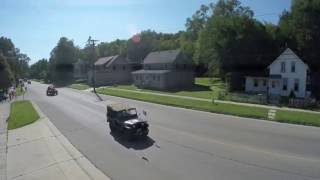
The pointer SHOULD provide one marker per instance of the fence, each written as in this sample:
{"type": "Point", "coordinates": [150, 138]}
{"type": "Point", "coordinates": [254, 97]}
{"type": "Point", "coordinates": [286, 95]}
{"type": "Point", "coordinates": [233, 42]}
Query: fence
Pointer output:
{"type": "Point", "coordinates": [302, 103]}
{"type": "Point", "coordinates": [243, 98]}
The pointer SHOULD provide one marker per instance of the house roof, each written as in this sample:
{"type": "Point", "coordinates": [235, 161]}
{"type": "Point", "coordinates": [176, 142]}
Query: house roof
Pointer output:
{"type": "Point", "coordinates": [162, 57]}
{"type": "Point", "coordinates": [151, 72]}
{"type": "Point", "coordinates": [105, 61]}
{"type": "Point", "coordinates": [288, 52]}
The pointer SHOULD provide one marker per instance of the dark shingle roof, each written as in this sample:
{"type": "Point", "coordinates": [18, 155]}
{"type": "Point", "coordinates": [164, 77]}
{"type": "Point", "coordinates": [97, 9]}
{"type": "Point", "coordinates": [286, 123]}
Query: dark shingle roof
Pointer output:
{"type": "Point", "coordinates": [162, 57]}
{"type": "Point", "coordinates": [105, 61]}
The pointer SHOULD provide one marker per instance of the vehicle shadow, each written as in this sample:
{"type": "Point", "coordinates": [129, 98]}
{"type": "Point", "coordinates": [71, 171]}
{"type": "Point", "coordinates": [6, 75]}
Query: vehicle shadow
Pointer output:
{"type": "Point", "coordinates": [136, 144]}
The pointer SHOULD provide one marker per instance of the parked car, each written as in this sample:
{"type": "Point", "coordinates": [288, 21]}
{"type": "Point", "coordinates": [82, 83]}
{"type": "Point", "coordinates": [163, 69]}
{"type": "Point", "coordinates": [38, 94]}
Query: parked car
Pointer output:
{"type": "Point", "coordinates": [52, 91]}
{"type": "Point", "coordinates": [125, 120]}
{"type": "Point", "coordinates": [29, 82]}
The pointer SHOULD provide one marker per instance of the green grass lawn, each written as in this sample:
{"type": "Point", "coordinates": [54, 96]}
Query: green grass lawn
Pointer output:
{"type": "Point", "coordinates": [206, 88]}
{"type": "Point", "coordinates": [230, 109]}
{"type": "Point", "coordinates": [22, 113]}
{"type": "Point", "coordinates": [237, 110]}
{"type": "Point", "coordinates": [79, 86]}
{"type": "Point", "coordinates": [311, 119]}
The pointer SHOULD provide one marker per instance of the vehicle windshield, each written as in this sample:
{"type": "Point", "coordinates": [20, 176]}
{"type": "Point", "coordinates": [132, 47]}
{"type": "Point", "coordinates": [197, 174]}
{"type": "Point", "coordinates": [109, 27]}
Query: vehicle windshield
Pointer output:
{"type": "Point", "coordinates": [127, 114]}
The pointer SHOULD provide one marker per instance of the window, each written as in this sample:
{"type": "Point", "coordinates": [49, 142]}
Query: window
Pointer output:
{"type": "Point", "coordinates": [124, 68]}
{"type": "Point", "coordinates": [273, 84]}
{"type": "Point", "coordinates": [158, 77]}
{"type": "Point", "coordinates": [114, 68]}
{"type": "Point", "coordinates": [283, 67]}
{"type": "Point", "coordinates": [264, 83]}
{"type": "Point", "coordinates": [256, 82]}
{"type": "Point", "coordinates": [165, 66]}
{"type": "Point", "coordinates": [154, 77]}
{"type": "Point", "coordinates": [293, 67]}
{"type": "Point", "coordinates": [296, 85]}
{"type": "Point", "coordinates": [184, 66]}
{"type": "Point", "coordinates": [285, 84]}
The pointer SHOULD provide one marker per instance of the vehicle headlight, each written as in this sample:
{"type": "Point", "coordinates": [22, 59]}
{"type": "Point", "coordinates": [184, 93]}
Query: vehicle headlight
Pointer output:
{"type": "Point", "coordinates": [128, 126]}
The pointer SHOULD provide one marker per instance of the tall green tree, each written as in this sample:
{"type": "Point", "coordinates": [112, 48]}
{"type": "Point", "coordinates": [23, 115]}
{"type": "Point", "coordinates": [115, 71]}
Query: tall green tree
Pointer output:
{"type": "Point", "coordinates": [5, 73]}
{"type": "Point", "coordinates": [40, 70]}
{"type": "Point", "coordinates": [17, 61]}
{"type": "Point", "coordinates": [233, 40]}
{"type": "Point", "coordinates": [61, 61]}
{"type": "Point", "coordinates": [302, 26]}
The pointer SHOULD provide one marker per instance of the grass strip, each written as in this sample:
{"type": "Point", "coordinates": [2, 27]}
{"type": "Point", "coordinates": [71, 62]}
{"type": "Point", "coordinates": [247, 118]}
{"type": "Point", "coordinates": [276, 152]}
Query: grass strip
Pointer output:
{"type": "Point", "coordinates": [22, 113]}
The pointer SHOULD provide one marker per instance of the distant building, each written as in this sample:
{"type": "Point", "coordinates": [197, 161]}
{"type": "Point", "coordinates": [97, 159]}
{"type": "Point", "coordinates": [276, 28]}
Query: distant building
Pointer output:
{"type": "Point", "coordinates": [288, 73]}
{"type": "Point", "coordinates": [165, 70]}
{"type": "Point", "coordinates": [112, 70]}
{"type": "Point", "coordinates": [80, 70]}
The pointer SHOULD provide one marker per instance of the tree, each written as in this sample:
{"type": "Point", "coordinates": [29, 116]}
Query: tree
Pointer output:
{"type": "Point", "coordinates": [117, 47]}
{"type": "Point", "coordinates": [141, 45]}
{"type": "Point", "coordinates": [5, 73]}
{"type": "Point", "coordinates": [233, 40]}
{"type": "Point", "coordinates": [198, 21]}
{"type": "Point", "coordinates": [18, 62]}
{"type": "Point", "coordinates": [39, 70]}
{"type": "Point", "coordinates": [61, 61]}
{"type": "Point", "coordinates": [302, 24]}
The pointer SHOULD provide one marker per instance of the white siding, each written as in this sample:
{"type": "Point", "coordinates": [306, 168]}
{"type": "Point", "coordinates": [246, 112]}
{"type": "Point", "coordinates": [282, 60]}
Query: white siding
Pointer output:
{"type": "Point", "coordinates": [250, 84]}
{"type": "Point", "coordinates": [288, 57]}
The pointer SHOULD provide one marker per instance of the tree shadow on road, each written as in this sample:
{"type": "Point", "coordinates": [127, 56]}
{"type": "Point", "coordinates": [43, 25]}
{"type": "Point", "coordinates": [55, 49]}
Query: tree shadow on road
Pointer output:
{"type": "Point", "coordinates": [136, 144]}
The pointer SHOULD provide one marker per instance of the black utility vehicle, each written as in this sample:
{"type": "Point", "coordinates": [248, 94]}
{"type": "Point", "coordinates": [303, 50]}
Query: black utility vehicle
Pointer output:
{"type": "Point", "coordinates": [125, 120]}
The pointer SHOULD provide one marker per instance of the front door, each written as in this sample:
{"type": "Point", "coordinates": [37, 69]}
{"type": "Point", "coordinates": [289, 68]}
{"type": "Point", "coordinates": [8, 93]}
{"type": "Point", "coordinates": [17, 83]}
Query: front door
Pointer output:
{"type": "Point", "coordinates": [274, 87]}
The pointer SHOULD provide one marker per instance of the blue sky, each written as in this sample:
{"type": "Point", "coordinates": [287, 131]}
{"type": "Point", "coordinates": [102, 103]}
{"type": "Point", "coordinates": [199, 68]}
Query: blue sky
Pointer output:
{"type": "Point", "coordinates": [35, 26]}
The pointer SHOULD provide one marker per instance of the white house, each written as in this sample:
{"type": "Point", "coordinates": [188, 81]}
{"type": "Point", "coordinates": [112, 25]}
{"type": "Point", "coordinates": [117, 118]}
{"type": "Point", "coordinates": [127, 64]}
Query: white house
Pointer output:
{"type": "Point", "coordinates": [288, 73]}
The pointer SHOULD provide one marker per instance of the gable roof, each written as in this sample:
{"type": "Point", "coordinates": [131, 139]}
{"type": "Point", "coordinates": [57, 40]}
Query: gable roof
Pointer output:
{"type": "Point", "coordinates": [162, 57]}
{"type": "Point", "coordinates": [288, 52]}
{"type": "Point", "coordinates": [105, 61]}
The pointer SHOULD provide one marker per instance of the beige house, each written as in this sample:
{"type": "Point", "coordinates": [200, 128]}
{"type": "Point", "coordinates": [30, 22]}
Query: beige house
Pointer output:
{"type": "Point", "coordinates": [112, 70]}
{"type": "Point", "coordinates": [165, 70]}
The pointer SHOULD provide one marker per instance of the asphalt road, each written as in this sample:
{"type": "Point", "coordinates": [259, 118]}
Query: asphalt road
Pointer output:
{"type": "Point", "coordinates": [183, 144]}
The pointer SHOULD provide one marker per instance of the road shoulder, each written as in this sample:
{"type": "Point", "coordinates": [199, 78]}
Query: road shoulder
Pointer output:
{"type": "Point", "coordinates": [40, 151]}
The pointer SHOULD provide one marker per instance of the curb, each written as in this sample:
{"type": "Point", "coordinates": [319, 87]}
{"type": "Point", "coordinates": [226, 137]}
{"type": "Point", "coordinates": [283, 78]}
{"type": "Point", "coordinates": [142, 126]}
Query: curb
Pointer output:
{"type": "Point", "coordinates": [87, 167]}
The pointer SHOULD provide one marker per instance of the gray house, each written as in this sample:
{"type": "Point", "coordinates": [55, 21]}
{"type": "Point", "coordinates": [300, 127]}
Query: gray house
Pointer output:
{"type": "Point", "coordinates": [112, 70]}
{"type": "Point", "coordinates": [165, 70]}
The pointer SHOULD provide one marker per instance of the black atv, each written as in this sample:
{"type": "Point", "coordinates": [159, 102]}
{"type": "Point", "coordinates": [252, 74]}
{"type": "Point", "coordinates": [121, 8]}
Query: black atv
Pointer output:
{"type": "Point", "coordinates": [52, 91]}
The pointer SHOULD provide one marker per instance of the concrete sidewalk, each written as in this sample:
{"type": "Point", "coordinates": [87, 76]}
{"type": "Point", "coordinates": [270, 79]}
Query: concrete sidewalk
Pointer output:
{"type": "Point", "coordinates": [40, 151]}
{"type": "Point", "coordinates": [4, 115]}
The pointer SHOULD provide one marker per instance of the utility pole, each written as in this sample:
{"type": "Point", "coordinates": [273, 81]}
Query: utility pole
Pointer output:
{"type": "Point", "coordinates": [92, 43]}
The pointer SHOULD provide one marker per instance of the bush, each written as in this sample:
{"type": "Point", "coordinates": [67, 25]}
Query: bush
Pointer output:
{"type": "Point", "coordinates": [292, 95]}
{"type": "Point", "coordinates": [284, 100]}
